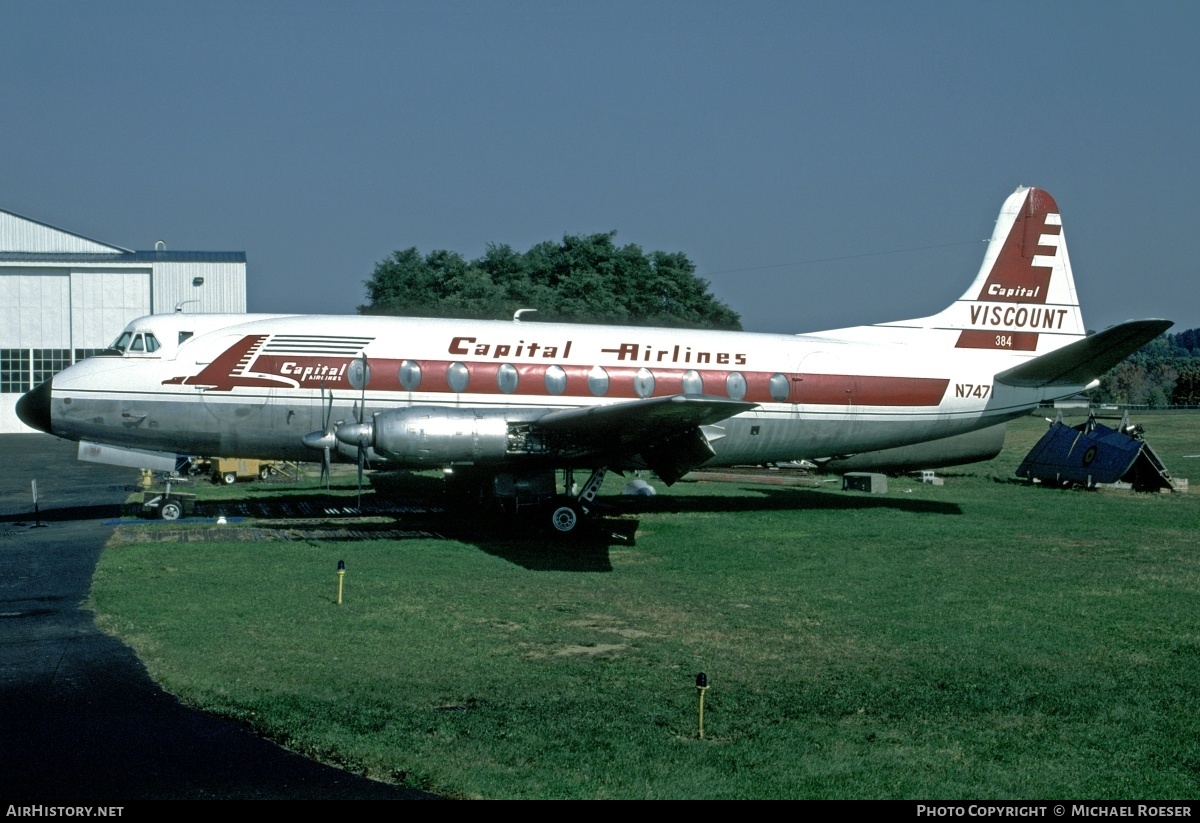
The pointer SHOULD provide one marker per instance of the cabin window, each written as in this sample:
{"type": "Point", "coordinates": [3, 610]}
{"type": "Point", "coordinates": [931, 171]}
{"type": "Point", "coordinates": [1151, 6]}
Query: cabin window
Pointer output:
{"type": "Point", "coordinates": [410, 375]}
{"type": "Point", "coordinates": [735, 385]}
{"type": "Point", "coordinates": [598, 381]}
{"type": "Point", "coordinates": [779, 387]}
{"type": "Point", "coordinates": [507, 378]}
{"type": "Point", "coordinates": [359, 374]}
{"type": "Point", "coordinates": [643, 383]}
{"type": "Point", "coordinates": [458, 377]}
{"type": "Point", "coordinates": [556, 380]}
{"type": "Point", "coordinates": [693, 383]}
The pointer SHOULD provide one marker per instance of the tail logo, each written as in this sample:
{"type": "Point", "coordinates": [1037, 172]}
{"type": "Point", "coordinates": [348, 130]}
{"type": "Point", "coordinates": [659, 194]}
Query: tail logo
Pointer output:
{"type": "Point", "coordinates": [1021, 273]}
{"type": "Point", "coordinates": [1019, 298]}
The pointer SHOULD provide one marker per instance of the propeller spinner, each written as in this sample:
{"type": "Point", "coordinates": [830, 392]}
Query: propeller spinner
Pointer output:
{"type": "Point", "coordinates": [359, 434]}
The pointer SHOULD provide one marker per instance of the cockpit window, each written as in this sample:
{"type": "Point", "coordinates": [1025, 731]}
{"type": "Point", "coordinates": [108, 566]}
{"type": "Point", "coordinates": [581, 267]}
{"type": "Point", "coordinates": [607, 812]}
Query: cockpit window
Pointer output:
{"type": "Point", "coordinates": [131, 341]}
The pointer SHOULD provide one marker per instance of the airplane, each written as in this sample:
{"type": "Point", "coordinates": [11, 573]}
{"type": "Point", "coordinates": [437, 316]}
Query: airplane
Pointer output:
{"type": "Point", "coordinates": [503, 405]}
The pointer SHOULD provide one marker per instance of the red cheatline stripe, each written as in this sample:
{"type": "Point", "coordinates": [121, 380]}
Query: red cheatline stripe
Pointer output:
{"type": "Point", "coordinates": [813, 389]}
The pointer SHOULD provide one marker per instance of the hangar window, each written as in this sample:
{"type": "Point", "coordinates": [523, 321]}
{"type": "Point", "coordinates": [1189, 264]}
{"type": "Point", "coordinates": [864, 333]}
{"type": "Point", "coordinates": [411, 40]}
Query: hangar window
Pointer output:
{"type": "Point", "coordinates": [84, 354]}
{"type": "Point", "coordinates": [410, 375]}
{"type": "Point", "coordinates": [14, 371]}
{"type": "Point", "coordinates": [735, 385]}
{"type": "Point", "coordinates": [458, 377]}
{"type": "Point", "coordinates": [507, 378]}
{"type": "Point", "coordinates": [779, 387]}
{"type": "Point", "coordinates": [693, 383]}
{"type": "Point", "coordinates": [49, 362]}
{"type": "Point", "coordinates": [643, 383]}
{"type": "Point", "coordinates": [598, 381]}
{"type": "Point", "coordinates": [556, 380]}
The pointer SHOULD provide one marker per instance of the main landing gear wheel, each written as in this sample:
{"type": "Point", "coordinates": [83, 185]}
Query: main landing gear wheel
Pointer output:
{"type": "Point", "coordinates": [565, 516]}
{"type": "Point", "coordinates": [171, 510]}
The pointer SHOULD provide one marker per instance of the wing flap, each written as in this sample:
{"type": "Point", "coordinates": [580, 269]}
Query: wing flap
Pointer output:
{"type": "Point", "coordinates": [1081, 362]}
{"type": "Point", "coordinates": [663, 431]}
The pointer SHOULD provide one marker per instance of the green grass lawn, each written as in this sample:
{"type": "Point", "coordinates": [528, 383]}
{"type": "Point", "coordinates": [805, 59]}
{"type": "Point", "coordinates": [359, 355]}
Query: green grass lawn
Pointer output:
{"type": "Point", "coordinates": [982, 639]}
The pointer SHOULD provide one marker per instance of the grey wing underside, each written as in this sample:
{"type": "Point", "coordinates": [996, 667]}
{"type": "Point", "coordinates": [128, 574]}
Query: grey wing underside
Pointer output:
{"type": "Point", "coordinates": [661, 432]}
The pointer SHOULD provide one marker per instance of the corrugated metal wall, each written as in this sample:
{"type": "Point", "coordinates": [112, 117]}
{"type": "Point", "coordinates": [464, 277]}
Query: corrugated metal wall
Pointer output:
{"type": "Point", "coordinates": [223, 289]}
{"type": "Point", "coordinates": [22, 234]}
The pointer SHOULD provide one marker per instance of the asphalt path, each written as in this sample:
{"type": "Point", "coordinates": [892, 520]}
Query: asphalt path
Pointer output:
{"type": "Point", "coordinates": [80, 720]}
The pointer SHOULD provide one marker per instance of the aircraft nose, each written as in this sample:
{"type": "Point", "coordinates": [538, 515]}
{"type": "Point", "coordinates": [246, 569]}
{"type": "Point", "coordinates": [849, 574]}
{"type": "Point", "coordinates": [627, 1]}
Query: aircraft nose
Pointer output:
{"type": "Point", "coordinates": [34, 408]}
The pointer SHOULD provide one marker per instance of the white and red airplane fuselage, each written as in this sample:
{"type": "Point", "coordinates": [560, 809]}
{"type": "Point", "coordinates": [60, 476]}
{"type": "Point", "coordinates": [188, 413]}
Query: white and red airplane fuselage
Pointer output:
{"type": "Point", "coordinates": [510, 395]}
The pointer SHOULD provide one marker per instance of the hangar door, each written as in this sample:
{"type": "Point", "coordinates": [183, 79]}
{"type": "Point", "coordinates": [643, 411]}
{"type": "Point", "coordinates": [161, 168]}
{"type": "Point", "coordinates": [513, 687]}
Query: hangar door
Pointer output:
{"type": "Point", "coordinates": [103, 303]}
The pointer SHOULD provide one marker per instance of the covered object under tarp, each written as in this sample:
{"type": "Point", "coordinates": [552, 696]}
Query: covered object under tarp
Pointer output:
{"type": "Point", "coordinates": [1092, 454]}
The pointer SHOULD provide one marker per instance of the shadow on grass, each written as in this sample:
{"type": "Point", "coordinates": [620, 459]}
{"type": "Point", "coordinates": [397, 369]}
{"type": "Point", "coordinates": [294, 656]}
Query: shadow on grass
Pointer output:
{"type": "Point", "coordinates": [65, 514]}
{"type": "Point", "coordinates": [397, 506]}
{"type": "Point", "coordinates": [775, 499]}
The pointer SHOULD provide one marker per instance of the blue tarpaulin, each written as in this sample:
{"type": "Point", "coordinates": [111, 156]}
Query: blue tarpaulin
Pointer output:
{"type": "Point", "coordinates": [1086, 455]}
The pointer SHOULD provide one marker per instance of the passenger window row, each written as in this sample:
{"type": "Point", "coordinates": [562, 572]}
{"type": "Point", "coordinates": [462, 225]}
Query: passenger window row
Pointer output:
{"type": "Point", "coordinates": [508, 380]}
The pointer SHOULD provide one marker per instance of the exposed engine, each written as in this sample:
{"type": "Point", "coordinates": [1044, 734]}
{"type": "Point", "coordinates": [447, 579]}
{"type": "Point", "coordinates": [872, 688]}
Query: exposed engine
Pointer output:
{"type": "Point", "coordinates": [423, 435]}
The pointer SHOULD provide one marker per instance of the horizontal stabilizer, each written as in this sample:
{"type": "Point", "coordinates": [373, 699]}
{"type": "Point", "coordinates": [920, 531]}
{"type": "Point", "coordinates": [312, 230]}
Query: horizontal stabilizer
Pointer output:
{"type": "Point", "coordinates": [1081, 362]}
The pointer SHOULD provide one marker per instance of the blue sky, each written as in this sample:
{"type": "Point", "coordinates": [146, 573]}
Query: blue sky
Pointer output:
{"type": "Point", "coordinates": [797, 152]}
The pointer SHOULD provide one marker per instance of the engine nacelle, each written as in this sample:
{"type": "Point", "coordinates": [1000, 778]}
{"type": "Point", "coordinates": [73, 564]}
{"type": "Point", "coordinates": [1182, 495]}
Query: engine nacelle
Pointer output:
{"type": "Point", "coordinates": [956, 450]}
{"type": "Point", "coordinates": [424, 435]}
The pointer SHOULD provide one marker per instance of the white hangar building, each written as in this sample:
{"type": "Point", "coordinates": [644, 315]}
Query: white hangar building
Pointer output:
{"type": "Point", "coordinates": [64, 296]}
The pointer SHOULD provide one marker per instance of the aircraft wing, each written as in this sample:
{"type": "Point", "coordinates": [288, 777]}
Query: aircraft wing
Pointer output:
{"type": "Point", "coordinates": [1083, 361]}
{"type": "Point", "coordinates": [663, 431]}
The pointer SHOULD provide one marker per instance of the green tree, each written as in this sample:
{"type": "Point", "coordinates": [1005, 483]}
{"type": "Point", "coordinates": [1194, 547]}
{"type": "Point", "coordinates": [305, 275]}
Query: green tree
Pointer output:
{"type": "Point", "coordinates": [1187, 388]}
{"type": "Point", "coordinates": [1158, 374]}
{"type": "Point", "coordinates": [583, 278]}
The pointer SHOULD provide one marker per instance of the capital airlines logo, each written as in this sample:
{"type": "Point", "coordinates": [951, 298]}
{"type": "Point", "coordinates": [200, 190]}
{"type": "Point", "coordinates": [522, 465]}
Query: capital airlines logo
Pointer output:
{"type": "Point", "coordinates": [286, 361]}
{"type": "Point", "coordinates": [1021, 273]}
{"type": "Point", "coordinates": [1012, 306]}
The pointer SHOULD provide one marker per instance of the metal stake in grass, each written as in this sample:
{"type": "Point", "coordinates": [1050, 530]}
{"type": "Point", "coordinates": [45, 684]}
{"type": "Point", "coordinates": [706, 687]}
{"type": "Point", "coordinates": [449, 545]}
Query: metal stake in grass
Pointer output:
{"type": "Point", "coordinates": [37, 514]}
{"type": "Point", "coordinates": [341, 574]}
{"type": "Point", "coordinates": [701, 688]}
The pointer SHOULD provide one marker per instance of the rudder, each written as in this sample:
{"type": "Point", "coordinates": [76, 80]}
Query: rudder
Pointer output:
{"type": "Point", "coordinates": [1023, 298]}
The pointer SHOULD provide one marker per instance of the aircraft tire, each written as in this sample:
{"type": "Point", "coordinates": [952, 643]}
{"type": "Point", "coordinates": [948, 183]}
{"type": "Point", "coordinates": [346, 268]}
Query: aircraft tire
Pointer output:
{"type": "Point", "coordinates": [229, 478]}
{"type": "Point", "coordinates": [171, 510]}
{"type": "Point", "coordinates": [565, 516]}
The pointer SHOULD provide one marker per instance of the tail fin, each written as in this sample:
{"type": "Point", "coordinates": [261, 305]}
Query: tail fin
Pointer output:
{"type": "Point", "coordinates": [1023, 298]}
